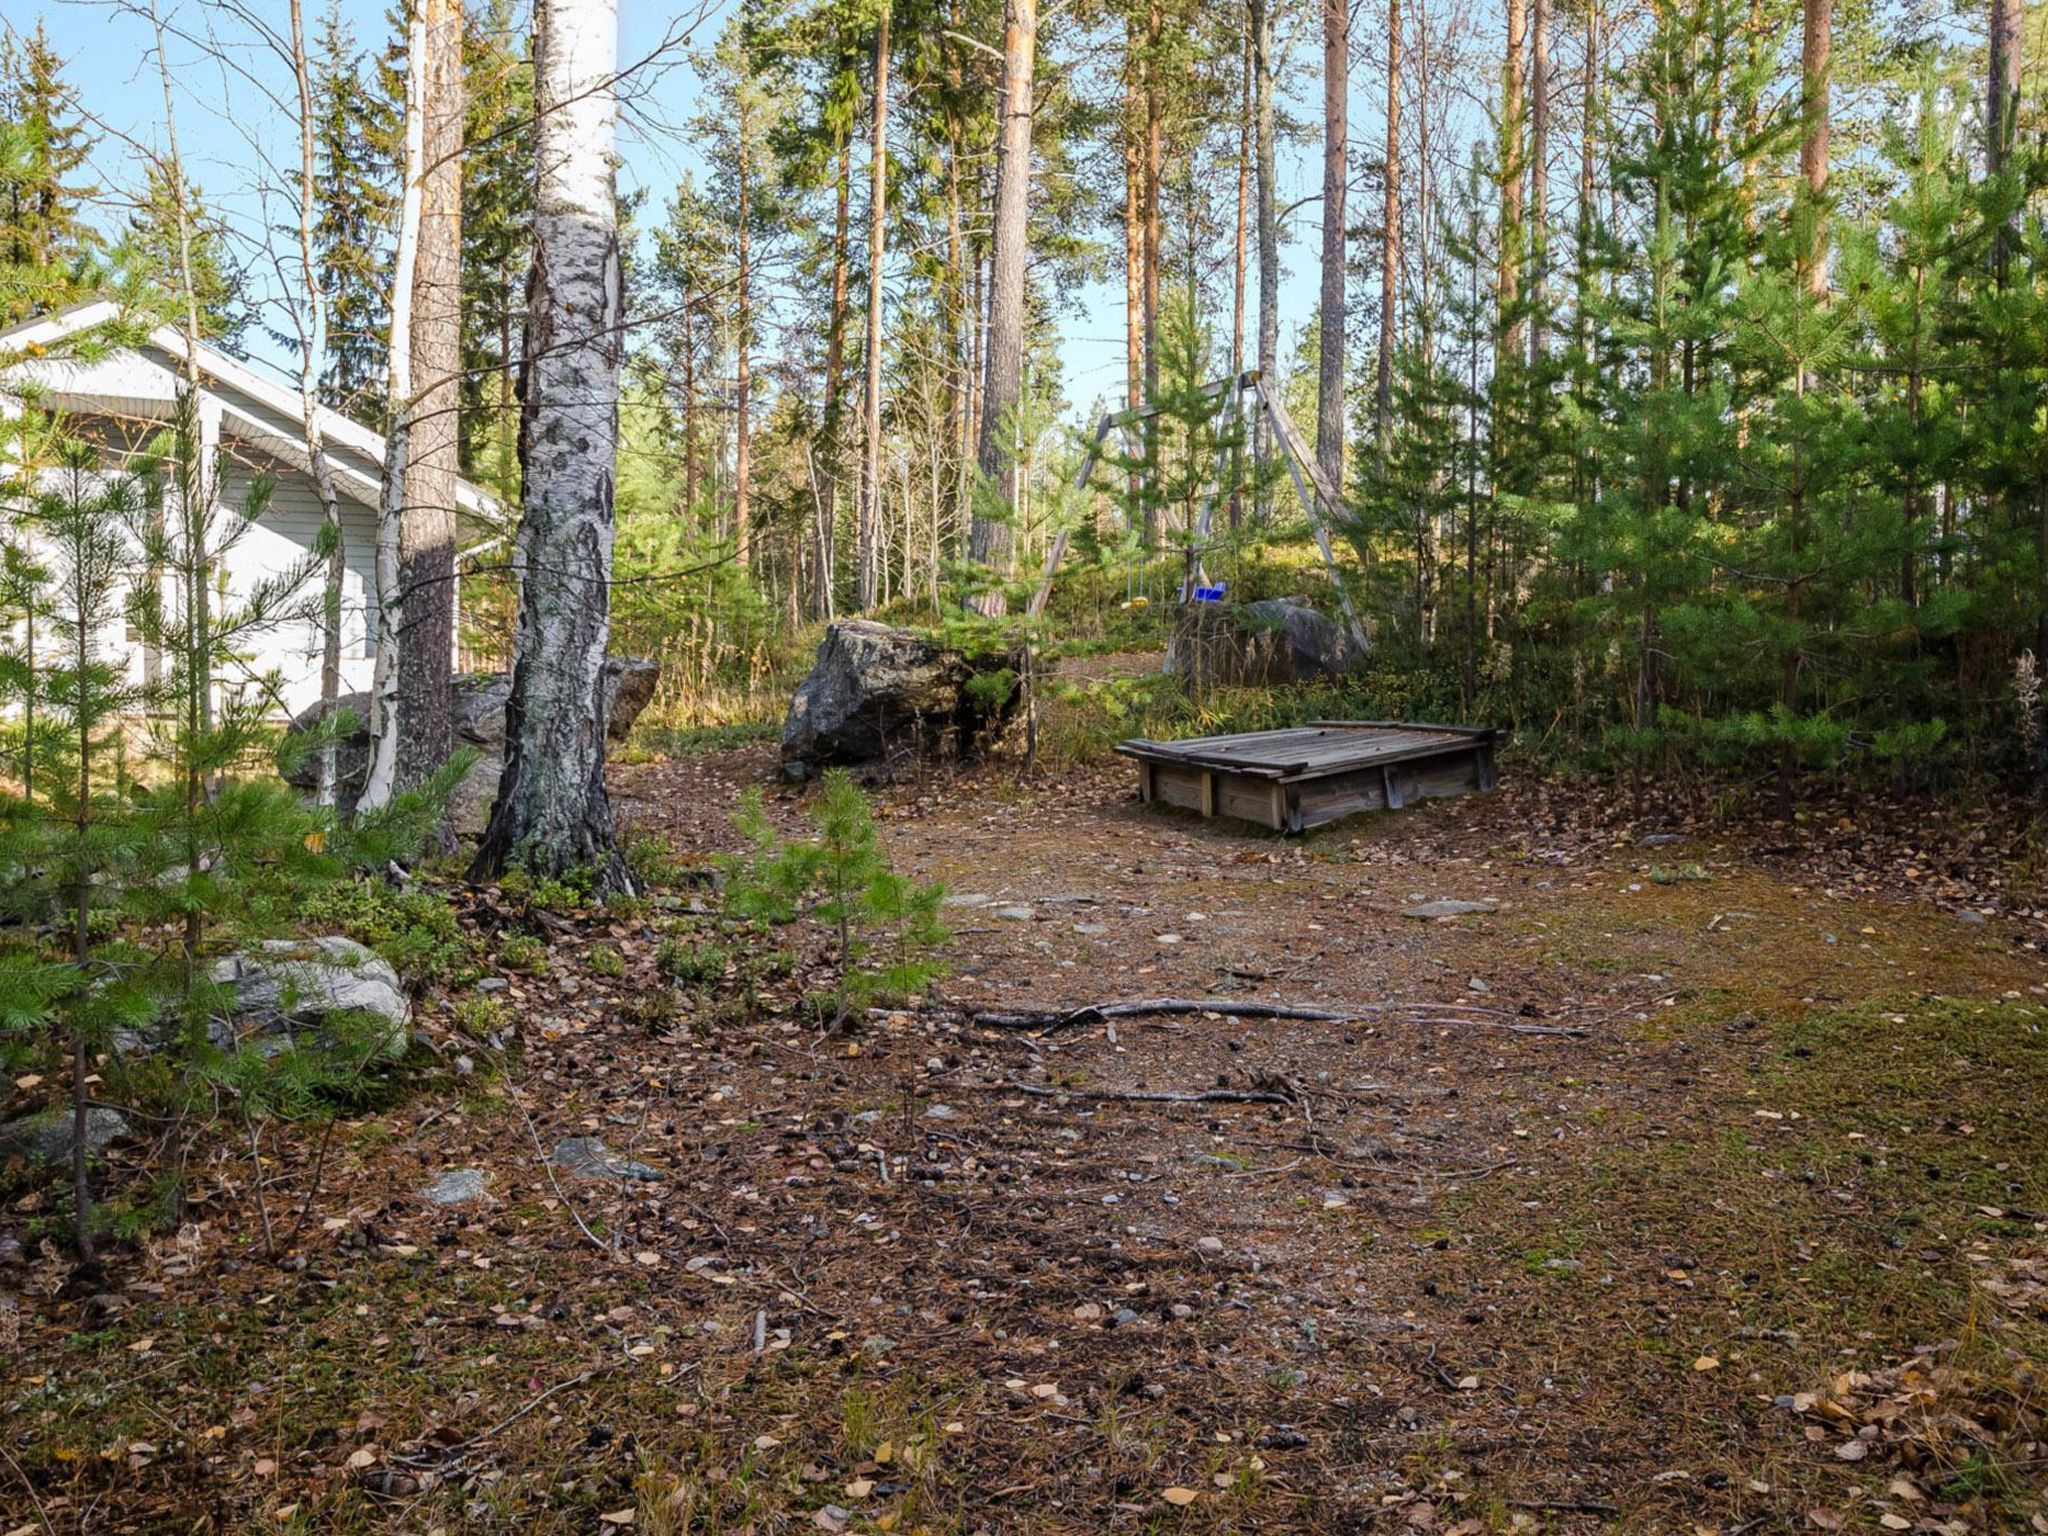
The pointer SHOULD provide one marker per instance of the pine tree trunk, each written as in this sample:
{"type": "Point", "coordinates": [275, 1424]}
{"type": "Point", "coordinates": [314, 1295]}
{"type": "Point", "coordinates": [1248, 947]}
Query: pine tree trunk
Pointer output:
{"type": "Point", "coordinates": [1336, 144]}
{"type": "Point", "coordinates": [1003, 387]}
{"type": "Point", "coordinates": [1155, 169]}
{"type": "Point", "coordinates": [2001, 108]}
{"type": "Point", "coordinates": [401, 409]}
{"type": "Point", "coordinates": [1816, 44]}
{"type": "Point", "coordinates": [1244, 190]}
{"type": "Point", "coordinates": [871, 401]}
{"type": "Point", "coordinates": [552, 813]}
{"type": "Point", "coordinates": [1390, 237]}
{"type": "Point", "coordinates": [743, 354]}
{"type": "Point", "coordinates": [1260, 16]}
{"type": "Point", "coordinates": [312, 321]}
{"type": "Point", "coordinates": [1134, 277]}
{"type": "Point", "coordinates": [1508, 281]}
{"type": "Point", "coordinates": [1539, 177]}
{"type": "Point", "coordinates": [426, 528]}
{"type": "Point", "coordinates": [834, 413]}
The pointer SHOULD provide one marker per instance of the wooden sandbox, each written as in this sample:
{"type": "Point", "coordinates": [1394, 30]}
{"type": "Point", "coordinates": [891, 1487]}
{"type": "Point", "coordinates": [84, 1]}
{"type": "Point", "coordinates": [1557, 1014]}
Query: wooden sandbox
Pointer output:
{"type": "Point", "coordinates": [1296, 779]}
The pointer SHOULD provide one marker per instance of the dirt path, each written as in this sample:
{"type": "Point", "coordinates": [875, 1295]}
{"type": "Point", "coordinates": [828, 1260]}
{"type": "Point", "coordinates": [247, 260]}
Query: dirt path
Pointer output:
{"type": "Point", "coordinates": [1434, 1275]}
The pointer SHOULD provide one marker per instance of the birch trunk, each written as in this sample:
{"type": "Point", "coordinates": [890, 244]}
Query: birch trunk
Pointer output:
{"type": "Point", "coordinates": [382, 777]}
{"type": "Point", "coordinates": [1336, 144]}
{"type": "Point", "coordinates": [1390, 236]}
{"type": "Point", "coordinates": [552, 813]}
{"type": "Point", "coordinates": [426, 526]}
{"type": "Point", "coordinates": [1003, 383]}
{"type": "Point", "coordinates": [871, 453]}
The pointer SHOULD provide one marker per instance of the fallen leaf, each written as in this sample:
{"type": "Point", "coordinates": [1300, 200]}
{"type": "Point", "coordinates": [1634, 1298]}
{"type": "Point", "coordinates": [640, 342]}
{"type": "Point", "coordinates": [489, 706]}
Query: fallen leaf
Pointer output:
{"type": "Point", "coordinates": [860, 1487]}
{"type": "Point", "coordinates": [1180, 1498]}
{"type": "Point", "coordinates": [1706, 1363]}
{"type": "Point", "coordinates": [617, 1517]}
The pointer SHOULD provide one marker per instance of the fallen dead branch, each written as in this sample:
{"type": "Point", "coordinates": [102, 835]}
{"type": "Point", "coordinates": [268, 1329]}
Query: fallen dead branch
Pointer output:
{"type": "Point", "coordinates": [1136, 1096]}
{"type": "Point", "coordinates": [1462, 1015]}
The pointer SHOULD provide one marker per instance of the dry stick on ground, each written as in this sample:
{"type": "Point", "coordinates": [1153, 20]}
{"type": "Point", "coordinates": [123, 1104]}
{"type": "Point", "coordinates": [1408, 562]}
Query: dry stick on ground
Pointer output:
{"type": "Point", "coordinates": [1462, 1014]}
{"type": "Point", "coordinates": [1212, 1096]}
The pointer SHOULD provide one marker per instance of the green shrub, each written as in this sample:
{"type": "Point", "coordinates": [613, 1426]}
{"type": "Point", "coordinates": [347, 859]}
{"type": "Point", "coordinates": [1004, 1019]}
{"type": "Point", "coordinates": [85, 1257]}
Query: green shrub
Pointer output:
{"type": "Point", "coordinates": [525, 953]}
{"type": "Point", "coordinates": [691, 962]}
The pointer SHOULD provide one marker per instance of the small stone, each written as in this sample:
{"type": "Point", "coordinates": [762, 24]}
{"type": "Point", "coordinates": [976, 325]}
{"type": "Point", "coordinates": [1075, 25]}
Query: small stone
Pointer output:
{"type": "Point", "coordinates": [458, 1186]}
{"type": "Point", "coordinates": [1424, 911]}
{"type": "Point", "coordinates": [1180, 1311]}
{"type": "Point", "coordinates": [940, 1112]}
{"type": "Point", "coordinates": [1658, 840]}
{"type": "Point", "coordinates": [11, 1256]}
{"type": "Point", "coordinates": [1126, 1318]}
{"type": "Point", "coordinates": [965, 899]}
{"type": "Point", "coordinates": [1015, 914]}
{"type": "Point", "coordinates": [1476, 984]}
{"type": "Point", "coordinates": [1091, 930]}
{"type": "Point", "coordinates": [877, 1345]}
{"type": "Point", "coordinates": [1283, 1437]}
{"type": "Point", "coordinates": [489, 984]}
{"type": "Point", "coordinates": [586, 1157]}
{"type": "Point", "coordinates": [1211, 1245]}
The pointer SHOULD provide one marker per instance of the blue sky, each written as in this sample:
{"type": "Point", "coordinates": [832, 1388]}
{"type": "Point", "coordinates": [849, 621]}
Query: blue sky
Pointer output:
{"type": "Point", "coordinates": [228, 130]}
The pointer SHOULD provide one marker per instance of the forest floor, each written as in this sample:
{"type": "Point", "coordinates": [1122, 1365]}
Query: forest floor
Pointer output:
{"type": "Point", "coordinates": [1762, 1249]}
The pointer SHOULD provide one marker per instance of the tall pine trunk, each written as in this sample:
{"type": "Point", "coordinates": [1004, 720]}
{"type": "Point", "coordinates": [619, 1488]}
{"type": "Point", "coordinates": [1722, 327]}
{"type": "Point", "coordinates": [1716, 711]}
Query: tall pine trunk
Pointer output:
{"type": "Point", "coordinates": [1336, 143]}
{"type": "Point", "coordinates": [426, 528]}
{"type": "Point", "coordinates": [1134, 272]}
{"type": "Point", "coordinates": [743, 351]}
{"type": "Point", "coordinates": [1539, 178]}
{"type": "Point", "coordinates": [1260, 16]}
{"type": "Point", "coordinates": [552, 813]}
{"type": "Point", "coordinates": [1390, 236]}
{"type": "Point", "coordinates": [1003, 385]}
{"type": "Point", "coordinates": [1508, 275]}
{"type": "Point", "coordinates": [834, 422]}
{"type": "Point", "coordinates": [871, 400]}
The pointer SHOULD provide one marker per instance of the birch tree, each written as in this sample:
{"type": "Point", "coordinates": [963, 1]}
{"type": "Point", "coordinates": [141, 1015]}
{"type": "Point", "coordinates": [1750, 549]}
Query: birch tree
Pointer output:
{"type": "Point", "coordinates": [382, 778]}
{"type": "Point", "coordinates": [552, 812]}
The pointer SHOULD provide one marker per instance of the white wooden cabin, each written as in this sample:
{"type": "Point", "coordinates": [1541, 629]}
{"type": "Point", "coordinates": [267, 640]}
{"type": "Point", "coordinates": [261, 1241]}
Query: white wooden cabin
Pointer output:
{"type": "Point", "coordinates": [122, 398]}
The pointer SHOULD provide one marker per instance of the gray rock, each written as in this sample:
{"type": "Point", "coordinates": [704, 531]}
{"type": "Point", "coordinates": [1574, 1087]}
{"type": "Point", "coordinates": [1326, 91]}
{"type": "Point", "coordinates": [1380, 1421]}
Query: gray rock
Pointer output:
{"type": "Point", "coordinates": [458, 1186]}
{"type": "Point", "coordinates": [1658, 840]}
{"type": "Point", "coordinates": [479, 709]}
{"type": "Point", "coordinates": [1430, 909]}
{"type": "Point", "coordinates": [45, 1137]}
{"type": "Point", "coordinates": [586, 1157]}
{"type": "Point", "coordinates": [291, 987]}
{"type": "Point", "coordinates": [1090, 930]}
{"type": "Point", "coordinates": [1015, 914]}
{"type": "Point", "coordinates": [878, 693]}
{"type": "Point", "coordinates": [1274, 641]}
{"type": "Point", "coordinates": [489, 984]}
{"type": "Point", "coordinates": [941, 1112]}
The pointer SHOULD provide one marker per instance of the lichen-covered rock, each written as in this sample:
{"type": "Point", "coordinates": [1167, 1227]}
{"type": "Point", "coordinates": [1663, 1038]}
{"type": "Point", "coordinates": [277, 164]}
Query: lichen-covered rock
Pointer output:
{"type": "Point", "coordinates": [479, 709]}
{"type": "Point", "coordinates": [286, 988]}
{"type": "Point", "coordinates": [879, 694]}
{"type": "Point", "coordinates": [45, 1138]}
{"type": "Point", "coordinates": [1276, 640]}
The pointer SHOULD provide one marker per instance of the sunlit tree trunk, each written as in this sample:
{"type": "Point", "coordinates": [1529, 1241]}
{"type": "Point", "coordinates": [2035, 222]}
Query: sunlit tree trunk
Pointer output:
{"type": "Point", "coordinates": [1390, 236]}
{"type": "Point", "coordinates": [1003, 386]}
{"type": "Point", "coordinates": [743, 349]}
{"type": "Point", "coordinates": [426, 529]}
{"type": "Point", "coordinates": [1336, 144]}
{"type": "Point", "coordinates": [1539, 177]}
{"type": "Point", "coordinates": [382, 777]}
{"type": "Point", "coordinates": [871, 450]}
{"type": "Point", "coordinates": [834, 414]}
{"type": "Point", "coordinates": [1260, 16]}
{"type": "Point", "coordinates": [1508, 278]}
{"type": "Point", "coordinates": [552, 813]}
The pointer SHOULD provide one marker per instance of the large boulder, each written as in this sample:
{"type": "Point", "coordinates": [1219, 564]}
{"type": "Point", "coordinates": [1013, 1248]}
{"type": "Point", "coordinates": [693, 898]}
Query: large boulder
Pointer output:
{"type": "Point", "coordinates": [479, 703]}
{"type": "Point", "coordinates": [45, 1139]}
{"type": "Point", "coordinates": [1276, 640]}
{"type": "Point", "coordinates": [878, 695]}
{"type": "Point", "coordinates": [286, 989]}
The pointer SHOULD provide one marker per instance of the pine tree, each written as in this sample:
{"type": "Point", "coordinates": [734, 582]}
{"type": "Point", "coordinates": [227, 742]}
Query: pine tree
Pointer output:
{"type": "Point", "coordinates": [43, 149]}
{"type": "Point", "coordinates": [358, 134]}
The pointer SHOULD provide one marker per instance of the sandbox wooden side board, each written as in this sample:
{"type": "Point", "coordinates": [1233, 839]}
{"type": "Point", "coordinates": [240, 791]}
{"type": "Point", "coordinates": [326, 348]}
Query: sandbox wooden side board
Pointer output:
{"type": "Point", "coordinates": [1295, 779]}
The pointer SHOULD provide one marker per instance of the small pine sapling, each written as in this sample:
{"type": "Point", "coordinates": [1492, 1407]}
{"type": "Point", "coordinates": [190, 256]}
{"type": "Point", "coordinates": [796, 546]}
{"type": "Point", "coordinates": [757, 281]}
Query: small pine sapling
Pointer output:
{"type": "Point", "coordinates": [885, 925]}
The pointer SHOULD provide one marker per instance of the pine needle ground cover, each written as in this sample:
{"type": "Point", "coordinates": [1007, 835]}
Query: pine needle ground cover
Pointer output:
{"type": "Point", "coordinates": [1762, 1249]}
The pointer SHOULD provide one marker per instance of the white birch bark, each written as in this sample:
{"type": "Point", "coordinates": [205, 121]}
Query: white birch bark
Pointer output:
{"type": "Point", "coordinates": [383, 773]}
{"type": "Point", "coordinates": [552, 813]}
